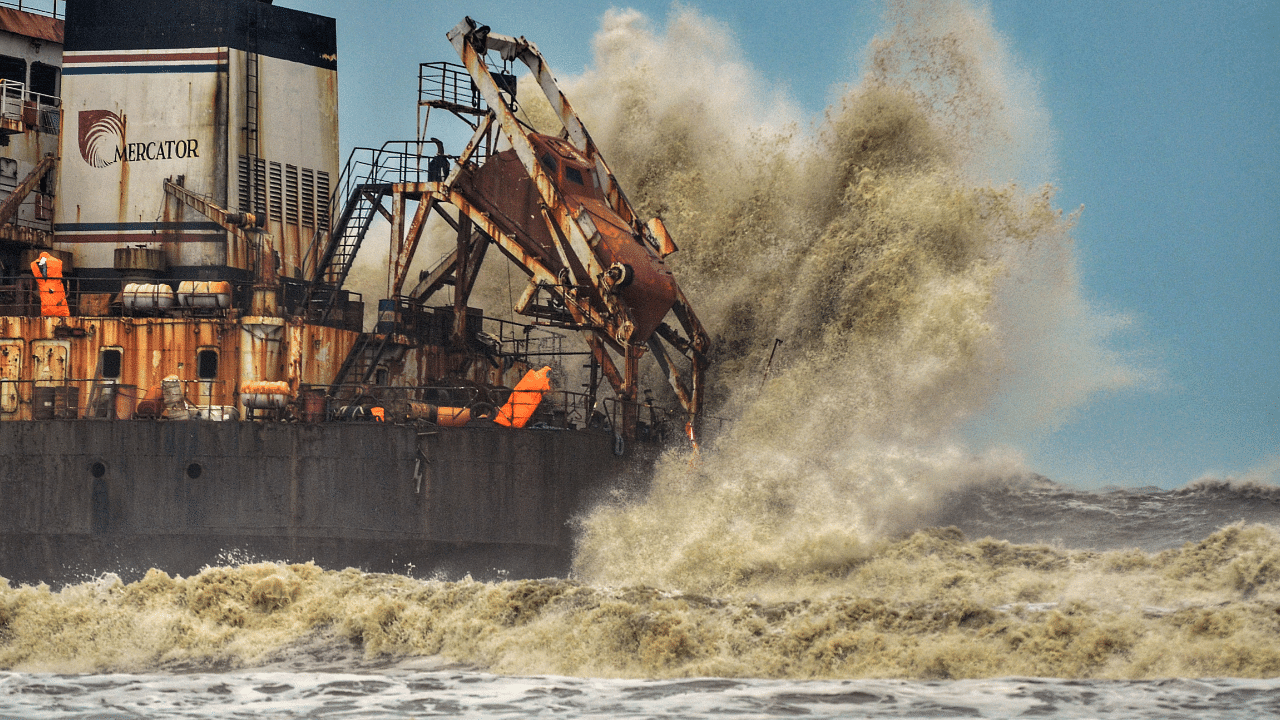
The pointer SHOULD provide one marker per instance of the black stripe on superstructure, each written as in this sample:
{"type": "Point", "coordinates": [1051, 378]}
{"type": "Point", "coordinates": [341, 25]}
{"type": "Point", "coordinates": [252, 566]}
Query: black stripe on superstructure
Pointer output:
{"type": "Point", "coordinates": [249, 25]}
{"type": "Point", "coordinates": [135, 226]}
{"type": "Point", "coordinates": [122, 69]}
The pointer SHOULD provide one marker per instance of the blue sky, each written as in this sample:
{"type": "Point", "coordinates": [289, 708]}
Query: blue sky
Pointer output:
{"type": "Point", "coordinates": [1166, 122]}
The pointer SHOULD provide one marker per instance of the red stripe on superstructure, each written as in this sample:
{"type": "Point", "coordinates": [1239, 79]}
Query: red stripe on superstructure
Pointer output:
{"type": "Point", "coordinates": [149, 57]}
{"type": "Point", "coordinates": [213, 236]}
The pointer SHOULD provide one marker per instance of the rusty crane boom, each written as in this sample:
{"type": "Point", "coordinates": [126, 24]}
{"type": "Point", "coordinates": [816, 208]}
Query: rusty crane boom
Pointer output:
{"type": "Point", "coordinates": [551, 205]}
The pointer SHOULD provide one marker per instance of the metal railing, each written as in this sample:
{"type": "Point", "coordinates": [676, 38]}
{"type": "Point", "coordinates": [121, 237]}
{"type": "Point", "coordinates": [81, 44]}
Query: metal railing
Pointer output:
{"type": "Point", "coordinates": [397, 161]}
{"type": "Point", "coordinates": [12, 95]}
{"type": "Point", "coordinates": [433, 325]}
{"type": "Point", "coordinates": [48, 113]}
{"type": "Point", "coordinates": [447, 82]}
{"type": "Point", "coordinates": [104, 297]}
{"type": "Point", "coordinates": [19, 295]}
{"type": "Point", "coordinates": [42, 111]}
{"type": "Point", "coordinates": [369, 170]}
{"type": "Point", "coordinates": [48, 8]}
{"type": "Point", "coordinates": [105, 399]}
{"type": "Point", "coordinates": [558, 410]}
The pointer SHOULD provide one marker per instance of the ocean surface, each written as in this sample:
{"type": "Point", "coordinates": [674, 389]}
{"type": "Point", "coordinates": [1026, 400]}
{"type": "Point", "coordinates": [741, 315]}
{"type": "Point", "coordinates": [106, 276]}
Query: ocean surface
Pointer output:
{"type": "Point", "coordinates": [456, 694]}
{"type": "Point", "coordinates": [1142, 604]}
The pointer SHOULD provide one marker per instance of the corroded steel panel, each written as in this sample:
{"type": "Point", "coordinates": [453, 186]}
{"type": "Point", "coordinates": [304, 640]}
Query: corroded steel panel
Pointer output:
{"type": "Point", "coordinates": [322, 352]}
{"type": "Point", "coordinates": [151, 349]}
{"type": "Point", "coordinates": [42, 351]}
{"type": "Point", "coordinates": [31, 25]}
{"type": "Point", "coordinates": [11, 354]}
{"type": "Point", "coordinates": [502, 189]}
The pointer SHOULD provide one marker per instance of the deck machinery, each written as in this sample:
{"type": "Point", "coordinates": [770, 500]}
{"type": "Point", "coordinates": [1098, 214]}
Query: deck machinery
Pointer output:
{"type": "Point", "coordinates": [549, 203]}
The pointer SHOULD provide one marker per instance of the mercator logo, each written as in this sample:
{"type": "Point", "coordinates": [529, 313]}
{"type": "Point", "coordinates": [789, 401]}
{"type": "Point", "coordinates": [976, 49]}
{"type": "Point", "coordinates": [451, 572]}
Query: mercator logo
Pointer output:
{"type": "Point", "coordinates": [102, 142]}
{"type": "Point", "coordinates": [101, 137]}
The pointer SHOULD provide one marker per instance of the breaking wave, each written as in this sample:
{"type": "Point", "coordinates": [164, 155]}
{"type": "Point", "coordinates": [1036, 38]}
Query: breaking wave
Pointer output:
{"type": "Point", "coordinates": [870, 289]}
{"type": "Point", "coordinates": [930, 605]}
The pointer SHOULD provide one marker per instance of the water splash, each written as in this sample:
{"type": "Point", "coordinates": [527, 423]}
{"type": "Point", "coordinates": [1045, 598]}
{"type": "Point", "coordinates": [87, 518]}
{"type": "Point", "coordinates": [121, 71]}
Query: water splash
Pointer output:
{"type": "Point", "coordinates": [906, 289]}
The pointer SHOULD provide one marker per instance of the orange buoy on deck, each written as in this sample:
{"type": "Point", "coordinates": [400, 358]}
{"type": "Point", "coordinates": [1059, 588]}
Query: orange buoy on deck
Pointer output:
{"type": "Point", "coordinates": [524, 399]}
{"type": "Point", "coordinates": [53, 296]}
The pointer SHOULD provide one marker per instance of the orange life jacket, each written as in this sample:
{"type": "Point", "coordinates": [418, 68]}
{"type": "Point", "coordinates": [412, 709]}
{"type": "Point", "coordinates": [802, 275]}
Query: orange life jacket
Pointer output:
{"type": "Point", "coordinates": [524, 399]}
{"type": "Point", "coordinates": [53, 296]}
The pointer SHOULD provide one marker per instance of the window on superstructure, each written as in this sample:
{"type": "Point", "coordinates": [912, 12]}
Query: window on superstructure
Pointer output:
{"type": "Point", "coordinates": [44, 79]}
{"type": "Point", "coordinates": [207, 364]}
{"type": "Point", "coordinates": [548, 163]}
{"type": "Point", "coordinates": [573, 175]}
{"type": "Point", "coordinates": [109, 363]}
{"type": "Point", "coordinates": [13, 69]}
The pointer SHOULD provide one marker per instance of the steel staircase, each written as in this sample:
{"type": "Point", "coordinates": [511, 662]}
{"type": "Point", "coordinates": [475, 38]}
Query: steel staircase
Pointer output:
{"type": "Point", "coordinates": [361, 362]}
{"type": "Point", "coordinates": [353, 224]}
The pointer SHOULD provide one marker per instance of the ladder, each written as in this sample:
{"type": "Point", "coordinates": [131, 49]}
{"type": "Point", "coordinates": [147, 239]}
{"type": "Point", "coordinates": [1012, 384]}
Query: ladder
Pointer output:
{"type": "Point", "coordinates": [362, 358]}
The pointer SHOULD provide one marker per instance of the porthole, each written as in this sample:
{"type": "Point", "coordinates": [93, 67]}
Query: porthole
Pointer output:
{"type": "Point", "coordinates": [97, 469]}
{"type": "Point", "coordinates": [194, 470]}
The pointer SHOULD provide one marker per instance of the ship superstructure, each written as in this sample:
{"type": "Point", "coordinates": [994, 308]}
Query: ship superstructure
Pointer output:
{"type": "Point", "coordinates": [167, 109]}
{"type": "Point", "coordinates": [30, 118]}
{"type": "Point", "coordinates": [178, 330]}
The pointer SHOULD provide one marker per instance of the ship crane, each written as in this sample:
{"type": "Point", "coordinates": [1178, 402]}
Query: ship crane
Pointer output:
{"type": "Point", "coordinates": [552, 206]}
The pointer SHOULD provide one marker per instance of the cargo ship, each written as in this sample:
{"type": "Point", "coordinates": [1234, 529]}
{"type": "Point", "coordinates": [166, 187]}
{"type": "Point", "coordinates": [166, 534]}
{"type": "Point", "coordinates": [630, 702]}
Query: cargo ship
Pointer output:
{"type": "Point", "coordinates": [187, 376]}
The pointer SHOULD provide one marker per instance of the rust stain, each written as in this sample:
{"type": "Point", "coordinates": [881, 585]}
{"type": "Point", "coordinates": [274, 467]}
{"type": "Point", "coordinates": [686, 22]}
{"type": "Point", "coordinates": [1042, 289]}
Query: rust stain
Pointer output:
{"type": "Point", "coordinates": [41, 27]}
{"type": "Point", "coordinates": [123, 190]}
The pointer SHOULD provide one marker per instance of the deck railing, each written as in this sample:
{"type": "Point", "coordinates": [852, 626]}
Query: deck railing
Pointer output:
{"type": "Point", "coordinates": [49, 8]}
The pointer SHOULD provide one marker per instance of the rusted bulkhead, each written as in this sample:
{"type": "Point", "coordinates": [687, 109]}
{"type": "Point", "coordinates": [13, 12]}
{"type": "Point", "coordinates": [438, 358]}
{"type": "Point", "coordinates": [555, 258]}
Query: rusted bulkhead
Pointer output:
{"type": "Point", "coordinates": [116, 363]}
